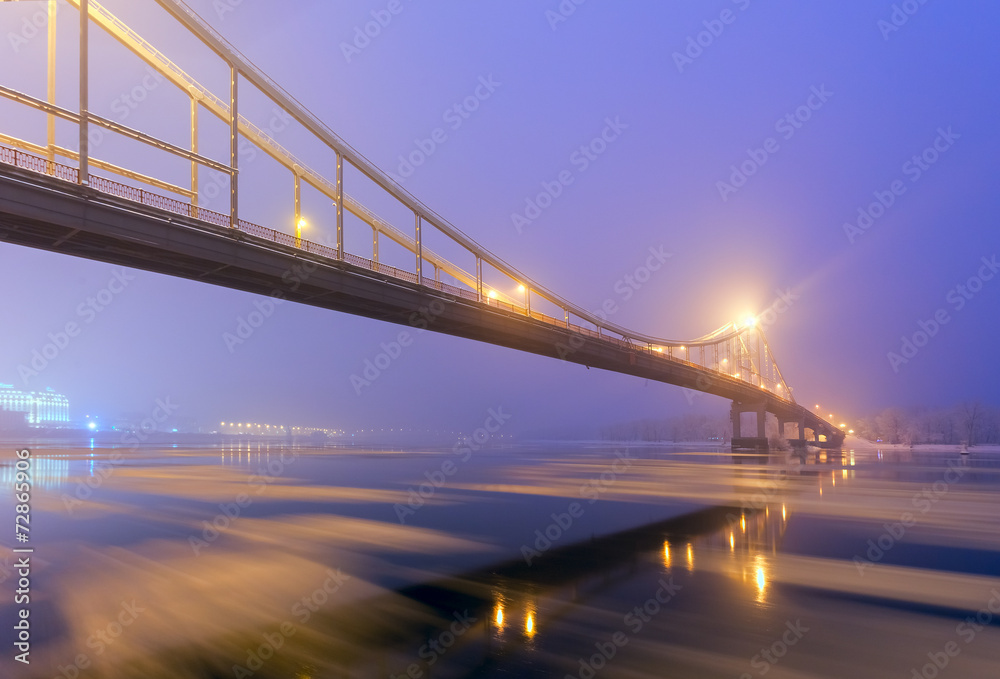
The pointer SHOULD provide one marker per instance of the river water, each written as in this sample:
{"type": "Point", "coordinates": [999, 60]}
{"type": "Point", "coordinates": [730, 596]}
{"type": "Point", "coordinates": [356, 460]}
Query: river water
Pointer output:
{"type": "Point", "coordinates": [264, 559]}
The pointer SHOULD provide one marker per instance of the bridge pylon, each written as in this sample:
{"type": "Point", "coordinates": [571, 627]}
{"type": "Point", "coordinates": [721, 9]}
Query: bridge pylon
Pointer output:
{"type": "Point", "coordinates": [754, 438]}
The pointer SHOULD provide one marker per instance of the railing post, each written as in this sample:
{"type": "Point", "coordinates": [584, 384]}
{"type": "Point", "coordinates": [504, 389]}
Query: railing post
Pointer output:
{"type": "Point", "coordinates": [298, 210]}
{"type": "Point", "coordinates": [84, 90]}
{"type": "Point", "coordinates": [420, 250]}
{"type": "Point", "coordinates": [340, 208]}
{"type": "Point", "coordinates": [760, 368]}
{"type": "Point", "coordinates": [52, 81]}
{"type": "Point", "coordinates": [479, 277]}
{"type": "Point", "coordinates": [194, 164]}
{"type": "Point", "coordinates": [234, 147]}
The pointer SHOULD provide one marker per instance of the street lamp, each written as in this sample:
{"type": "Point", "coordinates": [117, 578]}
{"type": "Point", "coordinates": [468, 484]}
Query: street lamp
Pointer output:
{"type": "Point", "coordinates": [299, 225]}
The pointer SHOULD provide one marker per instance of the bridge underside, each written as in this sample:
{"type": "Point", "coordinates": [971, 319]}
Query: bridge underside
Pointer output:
{"type": "Point", "coordinates": [51, 214]}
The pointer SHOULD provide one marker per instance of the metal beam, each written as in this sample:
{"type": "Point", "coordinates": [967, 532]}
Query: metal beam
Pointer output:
{"type": "Point", "coordinates": [298, 211]}
{"type": "Point", "coordinates": [194, 150]}
{"type": "Point", "coordinates": [51, 123]}
{"type": "Point", "coordinates": [95, 163]}
{"type": "Point", "coordinates": [84, 118]}
{"type": "Point", "coordinates": [159, 143]}
{"type": "Point", "coordinates": [234, 146]}
{"type": "Point", "coordinates": [420, 254]}
{"type": "Point", "coordinates": [340, 210]}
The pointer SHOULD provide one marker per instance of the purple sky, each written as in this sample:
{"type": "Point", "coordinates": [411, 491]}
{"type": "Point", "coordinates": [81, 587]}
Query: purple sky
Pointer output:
{"type": "Point", "coordinates": [880, 94]}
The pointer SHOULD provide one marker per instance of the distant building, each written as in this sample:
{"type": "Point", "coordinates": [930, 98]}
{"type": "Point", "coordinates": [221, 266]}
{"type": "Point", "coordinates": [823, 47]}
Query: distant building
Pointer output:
{"type": "Point", "coordinates": [38, 408]}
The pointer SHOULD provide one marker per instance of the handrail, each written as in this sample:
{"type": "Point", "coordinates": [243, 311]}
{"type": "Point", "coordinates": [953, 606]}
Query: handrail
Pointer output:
{"type": "Point", "coordinates": [31, 162]}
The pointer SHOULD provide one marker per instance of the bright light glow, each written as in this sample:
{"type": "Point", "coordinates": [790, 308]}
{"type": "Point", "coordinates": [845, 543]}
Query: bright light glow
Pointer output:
{"type": "Point", "coordinates": [750, 322]}
{"type": "Point", "coordinates": [683, 348]}
{"type": "Point", "coordinates": [783, 515]}
{"type": "Point", "coordinates": [529, 624]}
{"type": "Point", "coordinates": [761, 580]}
{"type": "Point", "coordinates": [301, 224]}
{"type": "Point", "coordinates": [743, 523]}
{"type": "Point", "coordinates": [732, 541]}
{"type": "Point", "coordinates": [92, 425]}
{"type": "Point", "coordinates": [817, 406]}
{"type": "Point", "coordinates": [690, 557]}
{"type": "Point", "coordinates": [850, 431]}
{"type": "Point", "coordinates": [520, 288]}
{"type": "Point", "coordinates": [842, 425]}
{"type": "Point", "coordinates": [666, 554]}
{"type": "Point", "coordinates": [725, 360]}
{"type": "Point", "coordinates": [736, 375]}
{"type": "Point", "coordinates": [493, 294]}
{"type": "Point", "coordinates": [499, 616]}
{"type": "Point", "coordinates": [659, 349]}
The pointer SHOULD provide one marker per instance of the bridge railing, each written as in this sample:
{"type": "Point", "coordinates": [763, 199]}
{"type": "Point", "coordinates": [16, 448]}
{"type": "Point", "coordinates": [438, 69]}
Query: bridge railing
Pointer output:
{"type": "Point", "coordinates": [50, 168]}
{"type": "Point", "coordinates": [28, 161]}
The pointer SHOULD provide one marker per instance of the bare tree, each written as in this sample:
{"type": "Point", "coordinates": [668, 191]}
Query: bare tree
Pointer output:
{"type": "Point", "coordinates": [891, 425]}
{"type": "Point", "coordinates": [971, 413]}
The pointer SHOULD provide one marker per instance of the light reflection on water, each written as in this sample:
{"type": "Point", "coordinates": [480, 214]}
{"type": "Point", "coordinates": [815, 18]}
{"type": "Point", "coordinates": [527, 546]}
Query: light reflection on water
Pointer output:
{"type": "Point", "coordinates": [518, 615]}
{"type": "Point", "coordinates": [48, 472]}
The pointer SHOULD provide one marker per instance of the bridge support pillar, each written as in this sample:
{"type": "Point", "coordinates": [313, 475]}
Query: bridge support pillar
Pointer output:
{"type": "Point", "coordinates": [757, 439]}
{"type": "Point", "coordinates": [800, 427]}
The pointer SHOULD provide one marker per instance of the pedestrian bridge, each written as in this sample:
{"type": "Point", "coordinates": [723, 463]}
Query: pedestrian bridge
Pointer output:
{"type": "Point", "coordinates": [70, 201]}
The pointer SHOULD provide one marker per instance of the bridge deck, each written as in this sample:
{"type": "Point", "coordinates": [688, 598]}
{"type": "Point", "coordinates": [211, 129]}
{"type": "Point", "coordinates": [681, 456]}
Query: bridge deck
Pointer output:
{"type": "Point", "coordinates": [55, 214]}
